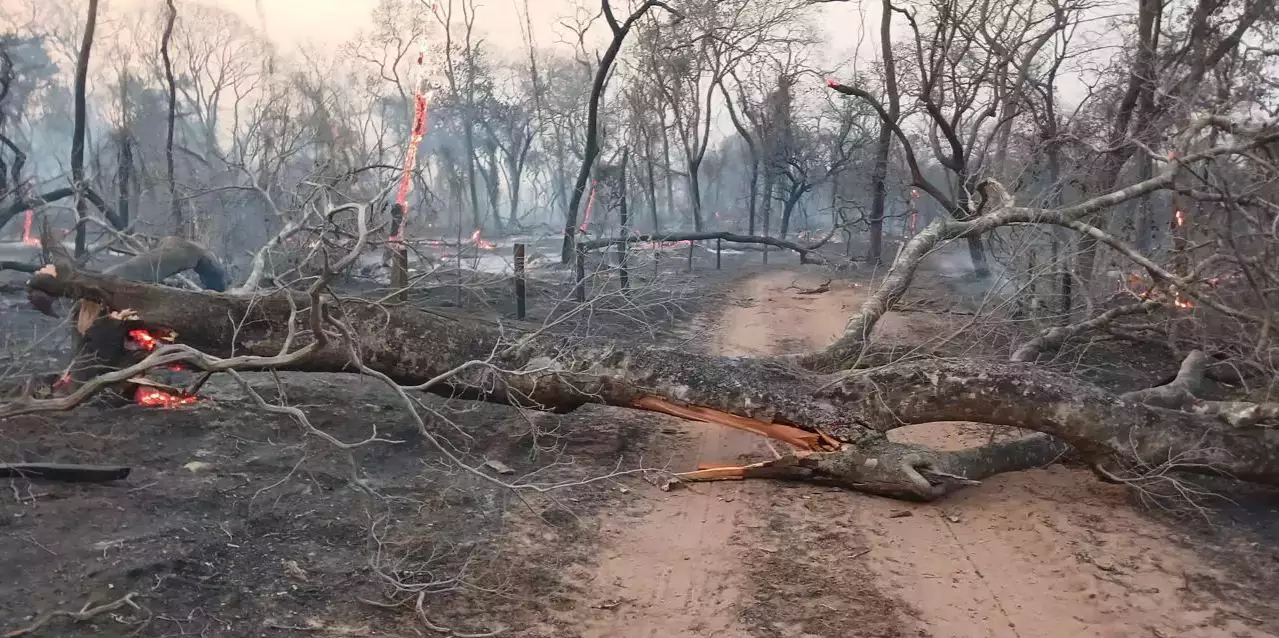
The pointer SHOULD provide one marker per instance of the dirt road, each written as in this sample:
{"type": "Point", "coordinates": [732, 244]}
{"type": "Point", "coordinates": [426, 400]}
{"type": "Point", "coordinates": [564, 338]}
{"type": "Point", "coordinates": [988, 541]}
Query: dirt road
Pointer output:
{"type": "Point", "coordinates": [1050, 553]}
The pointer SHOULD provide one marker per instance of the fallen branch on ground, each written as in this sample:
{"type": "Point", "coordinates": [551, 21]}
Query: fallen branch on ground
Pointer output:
{"type": "Point", "coordinates": [825, 287]}
{"type": "Point", "coordinates": [65, 472]}
{"type": "Point", "coordinates": [1182, 393]}
{"type": "Point", "coordinates": [1055, 337]}
{"type": "Point", "coordinates": [85, 613]}
{"type": "Point", "coordinates": [807, 254]}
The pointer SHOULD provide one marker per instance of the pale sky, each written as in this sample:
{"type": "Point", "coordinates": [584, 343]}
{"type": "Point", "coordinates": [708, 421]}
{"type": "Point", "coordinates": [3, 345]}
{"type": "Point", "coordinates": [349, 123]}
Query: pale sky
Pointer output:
{"type": "Point", "coordinates": [291, 23]}
{"type": "Point", "coordinates": [294, 23]}
{"type": "Point", "coordinates": [848, 27]}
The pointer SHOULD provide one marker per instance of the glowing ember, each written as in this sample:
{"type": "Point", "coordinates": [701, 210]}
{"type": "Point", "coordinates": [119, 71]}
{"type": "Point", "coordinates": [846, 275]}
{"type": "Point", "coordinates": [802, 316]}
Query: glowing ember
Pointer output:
{"type": "Point", "coordinates": [415, 140]}
{"type": "Point", "coordinates": [1180, 216]}
{"type": "Point", "coordinates": [146, 340]}
{"type": "Point", "coordinates": [62, 382]}
{"type": "Point", "coordinates": [480, 242]}
{"type": "Point", "coordinates": [586, 219]}
{"type": "Point", "coordinates": [831, 83]}
{"type": "Point", "coordinates": [26, 230]}
{"type": "Point", "coordinates": [156, 397]}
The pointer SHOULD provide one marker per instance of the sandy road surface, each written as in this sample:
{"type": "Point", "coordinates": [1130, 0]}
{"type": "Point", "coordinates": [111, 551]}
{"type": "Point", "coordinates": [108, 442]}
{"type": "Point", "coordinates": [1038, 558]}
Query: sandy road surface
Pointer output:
{"type": "Point", "coordinates": [1045, 554]}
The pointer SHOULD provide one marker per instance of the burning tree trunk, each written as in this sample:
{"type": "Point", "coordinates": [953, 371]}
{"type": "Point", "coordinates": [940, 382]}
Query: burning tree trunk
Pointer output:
{"type": "Point", "coordinates": [837, 423]}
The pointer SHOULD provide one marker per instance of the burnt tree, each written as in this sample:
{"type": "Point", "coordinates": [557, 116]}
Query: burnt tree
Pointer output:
{"type": "Point", "coordinates": [837, 422]}
{"type": "Point", "coordinates": [592, 150]}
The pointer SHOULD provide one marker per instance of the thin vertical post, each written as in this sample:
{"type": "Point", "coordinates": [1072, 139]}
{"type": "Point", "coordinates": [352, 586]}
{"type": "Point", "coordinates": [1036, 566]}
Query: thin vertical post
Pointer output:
{"type": "Point", "coordinates": [399, 255]}
{"type": "Point", "coordinates": [519, 281]}
{"type": "Point", "coordinates": [579, 291]}
{"type": "Point", "coordinates": [622, 251]}
{"type": "Point", "coordinates": [719, 247]}
{"type": "Point", "coordinates": [690, 256]}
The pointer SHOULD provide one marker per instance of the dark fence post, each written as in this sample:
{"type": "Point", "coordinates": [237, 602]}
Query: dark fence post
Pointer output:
{"type": "Point", "coordinates": [719, 246]}
{"type": "Point", "coordinates": [399, 256]}
{"type": "Point", "coordinates": [690, 255]}
{"type": "Point", "coordinates": [519, 281]}
{"type": "Point", "coordinates": [579, 291]}
{"type": "Point", "coordinates": [622, 252]}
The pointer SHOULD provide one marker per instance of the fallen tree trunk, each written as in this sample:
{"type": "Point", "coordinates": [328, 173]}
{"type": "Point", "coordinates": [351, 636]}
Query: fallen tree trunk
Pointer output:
{"type": "Point", "coordinates": [837, 423]}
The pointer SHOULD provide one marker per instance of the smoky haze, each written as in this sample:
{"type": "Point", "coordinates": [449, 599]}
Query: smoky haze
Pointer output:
{"type": "Point", "coordinates": [284, 107]}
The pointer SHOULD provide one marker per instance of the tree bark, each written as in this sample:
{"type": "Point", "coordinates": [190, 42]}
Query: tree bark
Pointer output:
{"type": "Point", "coordinates": [879, 177]}
{"type": "Point", "coordinates": [175, 209]}
{"type": "Point", "coordinates": [602, 72]}
{"type": "Point", "coordinates": [78, 128]}
{"type": "Point", "coordinates": [753, 183]}
{"type": "Point", "coordinates": [837, 423]}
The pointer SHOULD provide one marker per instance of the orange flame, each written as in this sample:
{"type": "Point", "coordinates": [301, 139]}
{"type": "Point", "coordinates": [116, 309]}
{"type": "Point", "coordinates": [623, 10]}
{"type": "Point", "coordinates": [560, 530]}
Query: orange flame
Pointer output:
{"type": "Point", "coordinates": [144, 340]}
{"type": "Point", "coordinates": [26, 230]}
{"type": "Point", "coordinates": [410, 155]}
{"type": "Point", "coordinates": [1180, 216]}
{"type": "Point", "coordinates": [147, 340]}
{"type": "Point", "coordinates": [586, 219]}
{"type": "Point", "coordinates": [155, 397]}
{"type": "Point", "coordinates": [480, 242]}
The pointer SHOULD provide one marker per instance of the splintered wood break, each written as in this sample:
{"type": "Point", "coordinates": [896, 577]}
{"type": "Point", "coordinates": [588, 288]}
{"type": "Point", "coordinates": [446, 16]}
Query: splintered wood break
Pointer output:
{"type": "Point", "coordinates": [802, 439]}
{"type": "Point", "coordinates": [725, 472]}
{"type": "Point", "coordinates": [89, 312]}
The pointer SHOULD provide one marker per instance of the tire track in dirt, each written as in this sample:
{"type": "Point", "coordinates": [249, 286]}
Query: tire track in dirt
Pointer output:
{"type": "Point", "coordinates": [1048, 553]}
{"type": "Point", "coordinates": [673, 569]}
{"type": "Point", "coordinates": [1045, 554]}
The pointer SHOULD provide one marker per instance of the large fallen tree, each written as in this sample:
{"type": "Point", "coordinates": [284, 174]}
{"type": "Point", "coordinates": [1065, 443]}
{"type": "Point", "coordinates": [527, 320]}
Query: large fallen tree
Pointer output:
{"type": "Point", "coordinates": [827, 405]}
{"type": "Point", "coordinates": [836, 423]}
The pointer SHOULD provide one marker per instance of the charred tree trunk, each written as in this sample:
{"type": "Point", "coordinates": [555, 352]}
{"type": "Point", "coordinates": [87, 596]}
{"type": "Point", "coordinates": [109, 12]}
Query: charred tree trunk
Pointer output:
{"type": "Point", "coordinates": [78, 129]}
{"type": "Point", "coordinates": [666, 166]}
{"type": "Point", "coordinates": [619, 30]}
{"type": "Point", "coordinates": [695, 194]}
{"type": "Point", "coordinates": [879, 188]}
{"type": "Point", "coordinates": [836, 423]}
{"type": "Point", "coordinates": [788, 207]}
{"type": "Point", "coordinates": [753, 184]}
{"type": "Point", "coordinates": [175, 209]}
{"type": "Point", "coordinates": [124, 175]}
{"type": "Point", "coordinates": [651, 180]}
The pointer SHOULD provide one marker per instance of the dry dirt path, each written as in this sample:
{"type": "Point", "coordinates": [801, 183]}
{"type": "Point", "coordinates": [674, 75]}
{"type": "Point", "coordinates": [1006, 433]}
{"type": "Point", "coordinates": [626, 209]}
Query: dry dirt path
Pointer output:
{"type": "Point", "coordinates": [1043, 554]}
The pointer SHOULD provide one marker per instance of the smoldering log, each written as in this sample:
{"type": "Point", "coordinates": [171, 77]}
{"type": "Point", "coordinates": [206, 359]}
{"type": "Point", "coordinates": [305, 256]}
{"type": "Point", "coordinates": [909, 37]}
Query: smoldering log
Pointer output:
{"type": "Point", "coordinates": [98, 346]}
{"type": "Point", "coordinates": [848, 413]}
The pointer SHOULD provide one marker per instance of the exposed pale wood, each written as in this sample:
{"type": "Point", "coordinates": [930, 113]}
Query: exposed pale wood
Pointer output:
{"type": "Point", "coordinates": [802, 439]}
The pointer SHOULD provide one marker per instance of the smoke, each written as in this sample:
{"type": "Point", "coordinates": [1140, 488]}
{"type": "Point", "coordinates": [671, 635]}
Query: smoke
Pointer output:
{"type": "Point", "coordinates": [953, 262]}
